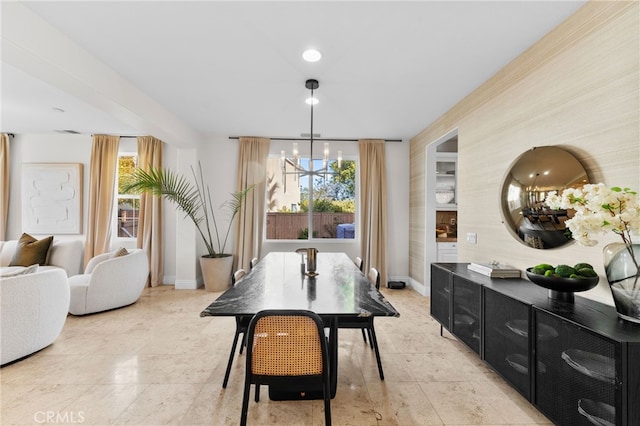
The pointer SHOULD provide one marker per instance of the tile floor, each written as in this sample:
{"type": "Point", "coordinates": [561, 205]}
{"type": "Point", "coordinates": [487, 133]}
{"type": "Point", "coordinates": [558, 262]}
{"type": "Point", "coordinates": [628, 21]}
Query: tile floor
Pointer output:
{"type": "Point", "coordinates": [157, 362]}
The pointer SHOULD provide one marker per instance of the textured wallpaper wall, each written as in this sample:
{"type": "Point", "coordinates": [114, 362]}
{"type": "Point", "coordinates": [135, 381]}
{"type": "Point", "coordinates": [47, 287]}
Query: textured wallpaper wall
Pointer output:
{"type": "Point", "coordinates": [577, 88]}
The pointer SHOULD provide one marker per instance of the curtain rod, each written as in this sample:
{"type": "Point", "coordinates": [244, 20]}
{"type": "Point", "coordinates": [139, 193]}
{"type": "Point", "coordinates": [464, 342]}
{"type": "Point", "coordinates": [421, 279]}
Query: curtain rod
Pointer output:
{"type": "Point", "coordinates": [320, 139]}
{"type": "Point", "coordinates": [120, 136]}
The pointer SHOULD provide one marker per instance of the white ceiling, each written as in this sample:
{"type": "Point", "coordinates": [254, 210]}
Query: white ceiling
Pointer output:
{"type": "Point", "coordinates": [388, 70]}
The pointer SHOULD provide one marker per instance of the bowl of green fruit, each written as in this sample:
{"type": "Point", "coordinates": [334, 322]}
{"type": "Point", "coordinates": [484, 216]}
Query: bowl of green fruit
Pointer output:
{"type": "Point", "coordinates": [563, 280]}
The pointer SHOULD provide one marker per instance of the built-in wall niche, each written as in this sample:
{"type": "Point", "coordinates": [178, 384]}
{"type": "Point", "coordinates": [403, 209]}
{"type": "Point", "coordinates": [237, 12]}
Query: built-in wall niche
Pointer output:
{"type": "Point", "coordinates": [450, 145]}
{"type": "Point", "coordinates": [441, 201]}
{"type": "Point", "coordinates": [448, 221]}
{"type": "Point", "coordinates": [446, 179]}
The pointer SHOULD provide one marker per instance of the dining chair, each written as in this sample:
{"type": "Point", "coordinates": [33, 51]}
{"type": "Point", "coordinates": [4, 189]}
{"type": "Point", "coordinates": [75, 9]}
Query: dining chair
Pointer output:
{"type": "Point", "coordinates": [242, 325]}
{"type": "Point", "coordinates": [365, 324]}
{"type": "Point", "coordinates": [374, 277]}
{"type": "Point", "coordinates": [253, 263]}
{"type": "Point", "coordinates": [287, 347]}
{"type": "Point", "coordinates": [359, 263]}
{"type": "Point", "coordinates": [237, 276]}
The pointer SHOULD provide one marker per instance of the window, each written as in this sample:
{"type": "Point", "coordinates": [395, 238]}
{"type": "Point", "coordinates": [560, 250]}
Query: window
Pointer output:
{"type": "Point", "coordinates": [127, 204]}
{"type": "Point", "coordinates": [287, 201]}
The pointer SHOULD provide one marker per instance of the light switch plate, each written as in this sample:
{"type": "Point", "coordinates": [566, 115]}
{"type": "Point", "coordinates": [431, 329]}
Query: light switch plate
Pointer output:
{"type": "Point", "coordinates": [472, 237]}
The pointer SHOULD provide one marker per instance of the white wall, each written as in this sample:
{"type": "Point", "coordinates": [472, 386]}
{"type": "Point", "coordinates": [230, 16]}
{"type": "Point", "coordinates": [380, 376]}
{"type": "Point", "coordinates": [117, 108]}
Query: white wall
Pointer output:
{"type": "Point", "coordinates": [398, 198]}
{"type": "Point", "coordinates": [169, 159]}
{"type": "Point", "coordinates": [54, 148]}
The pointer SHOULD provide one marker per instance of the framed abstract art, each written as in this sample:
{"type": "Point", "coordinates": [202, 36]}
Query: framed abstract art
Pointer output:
{"type": "Point", "coordinates": [52, 198]}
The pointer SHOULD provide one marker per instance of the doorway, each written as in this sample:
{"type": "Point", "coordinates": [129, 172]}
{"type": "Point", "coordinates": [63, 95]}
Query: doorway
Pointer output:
{"type": "Point", "coordinates": [441, 200]}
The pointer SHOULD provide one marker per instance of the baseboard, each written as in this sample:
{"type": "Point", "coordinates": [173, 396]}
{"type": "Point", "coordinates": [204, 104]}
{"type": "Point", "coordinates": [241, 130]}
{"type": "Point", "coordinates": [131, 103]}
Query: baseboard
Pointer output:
{"type": "Point", "coordinates": [186, 285]}
{"type": "Point", "coordinates": [418, 287]}
{"type": "Point", "coordinates": [412, 284]}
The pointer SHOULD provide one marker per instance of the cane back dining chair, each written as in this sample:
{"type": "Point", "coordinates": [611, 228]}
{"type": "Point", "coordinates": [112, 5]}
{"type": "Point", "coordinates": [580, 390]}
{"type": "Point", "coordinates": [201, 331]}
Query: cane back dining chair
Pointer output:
{"type": "Point", "coordinates": [365, 324]}
{"type": "Point", "coordinates": [288, 348]}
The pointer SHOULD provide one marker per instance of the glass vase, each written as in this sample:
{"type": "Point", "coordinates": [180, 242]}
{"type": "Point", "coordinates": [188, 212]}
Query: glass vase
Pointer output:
{"type": "Point", "coordinates": [621, 268]}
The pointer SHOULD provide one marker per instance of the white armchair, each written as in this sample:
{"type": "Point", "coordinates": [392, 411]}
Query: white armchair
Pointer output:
{"type": "Point", "coordinates": [109, 282]}
{"type": "Point", "coordinates": [33, 311]}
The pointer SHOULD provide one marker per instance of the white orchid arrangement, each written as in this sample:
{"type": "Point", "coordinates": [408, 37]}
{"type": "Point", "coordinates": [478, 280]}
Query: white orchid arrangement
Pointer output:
{"type": "Point", "coordinates": [598, 210]}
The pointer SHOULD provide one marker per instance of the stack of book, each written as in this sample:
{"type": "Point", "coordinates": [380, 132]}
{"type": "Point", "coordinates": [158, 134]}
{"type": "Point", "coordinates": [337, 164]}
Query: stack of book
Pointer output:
{"type": "Point", "coordinates": [494, 270]}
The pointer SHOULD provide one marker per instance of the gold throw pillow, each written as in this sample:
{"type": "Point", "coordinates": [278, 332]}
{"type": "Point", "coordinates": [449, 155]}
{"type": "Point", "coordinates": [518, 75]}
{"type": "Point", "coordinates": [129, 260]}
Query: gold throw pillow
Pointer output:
{"type": "Point", "coordinates": [30, 251]}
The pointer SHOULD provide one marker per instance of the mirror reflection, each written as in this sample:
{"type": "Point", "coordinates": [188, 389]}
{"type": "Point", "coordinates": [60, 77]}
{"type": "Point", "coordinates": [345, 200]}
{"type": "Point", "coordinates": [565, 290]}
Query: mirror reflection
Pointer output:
{"type": "Point", "coordinates": [531, 177]}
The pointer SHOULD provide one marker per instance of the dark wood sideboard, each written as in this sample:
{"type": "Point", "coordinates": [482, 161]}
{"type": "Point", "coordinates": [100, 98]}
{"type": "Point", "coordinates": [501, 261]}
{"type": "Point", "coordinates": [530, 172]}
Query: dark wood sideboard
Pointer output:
{"type": "Point", "coordinates": [578, 363]}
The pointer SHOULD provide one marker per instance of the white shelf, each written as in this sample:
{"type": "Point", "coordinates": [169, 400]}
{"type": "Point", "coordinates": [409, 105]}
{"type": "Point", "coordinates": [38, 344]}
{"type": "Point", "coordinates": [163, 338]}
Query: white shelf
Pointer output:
{"type": "Point", "coordinates": [446, 168]}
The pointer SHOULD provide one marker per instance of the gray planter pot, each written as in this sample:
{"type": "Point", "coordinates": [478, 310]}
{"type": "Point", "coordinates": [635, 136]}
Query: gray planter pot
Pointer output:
{"type": "Point", "coordinates": [216, 272]}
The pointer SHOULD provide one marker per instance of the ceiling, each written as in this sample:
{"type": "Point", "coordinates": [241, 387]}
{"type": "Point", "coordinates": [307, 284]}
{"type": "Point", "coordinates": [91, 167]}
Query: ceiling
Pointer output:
{"type": "Point", "coordinates": [388, 69]}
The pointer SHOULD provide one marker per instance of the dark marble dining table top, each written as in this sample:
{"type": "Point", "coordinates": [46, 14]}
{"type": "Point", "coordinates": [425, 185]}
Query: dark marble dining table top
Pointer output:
{"type": "Point", "coordinates": [276, 282]}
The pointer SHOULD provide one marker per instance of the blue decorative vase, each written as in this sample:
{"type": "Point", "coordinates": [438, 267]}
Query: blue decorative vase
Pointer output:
{"type": "Point", "coordinates": [624, 279]}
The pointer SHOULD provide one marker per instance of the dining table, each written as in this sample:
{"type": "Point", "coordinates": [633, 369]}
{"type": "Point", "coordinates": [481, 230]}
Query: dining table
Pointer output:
{"type": "Point", "coordinates": [280, 280]}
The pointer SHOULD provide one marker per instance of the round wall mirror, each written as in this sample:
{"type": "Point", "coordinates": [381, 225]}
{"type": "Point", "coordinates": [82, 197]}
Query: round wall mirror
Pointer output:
{"type": "Point", "coordinates": [525, 187]}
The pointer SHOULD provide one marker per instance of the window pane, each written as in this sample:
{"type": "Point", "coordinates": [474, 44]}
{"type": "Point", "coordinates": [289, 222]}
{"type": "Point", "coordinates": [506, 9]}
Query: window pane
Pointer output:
{"type": "Point", "coordinates": [126, 166]}
{"type": "Point", "coordinates": [128, 214]}
{"type": "Point", "coordinates": [128, 205]}
{"type": "Point", "coordinates": [288, 201]}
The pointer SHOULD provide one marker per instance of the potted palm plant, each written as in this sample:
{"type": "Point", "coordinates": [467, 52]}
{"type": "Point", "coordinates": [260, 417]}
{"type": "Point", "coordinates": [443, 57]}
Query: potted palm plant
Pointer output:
{"type": "Point", "coordinates": [194, 200]}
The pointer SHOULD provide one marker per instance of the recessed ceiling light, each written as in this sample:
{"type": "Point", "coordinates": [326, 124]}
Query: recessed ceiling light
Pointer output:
{"type": "Point", "coordinates": [311, 55]}
{"type": "Point", "coordinates": [57, 109]}
{"type": "Point", "coordinates": [311, 101]}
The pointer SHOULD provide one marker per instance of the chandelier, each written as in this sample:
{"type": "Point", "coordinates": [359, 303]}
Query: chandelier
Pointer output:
{"type": "Point", "coordinates": [297, 169]}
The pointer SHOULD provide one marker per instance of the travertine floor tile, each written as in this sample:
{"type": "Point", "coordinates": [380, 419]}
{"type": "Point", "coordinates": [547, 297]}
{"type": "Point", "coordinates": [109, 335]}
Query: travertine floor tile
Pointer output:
{"type": "Point", "coordinates": [512, 406]}
{"type": "Point", "coordinates": [459, 403]}
{"type": "Point", "coordinates": [352, 406]}
{"type": "Point", "coordinates": [395, 366]}
{"type": "Point", "coordinates": [104, 404]}
{"type": "Point", "coordinates": [403, 404]}
{"type": "Point", "coordinates": [160, 404]}
{"type": "Point", "coordinates": [157, 362]}
{"type": "Point", "coordinates": [31, 404]}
